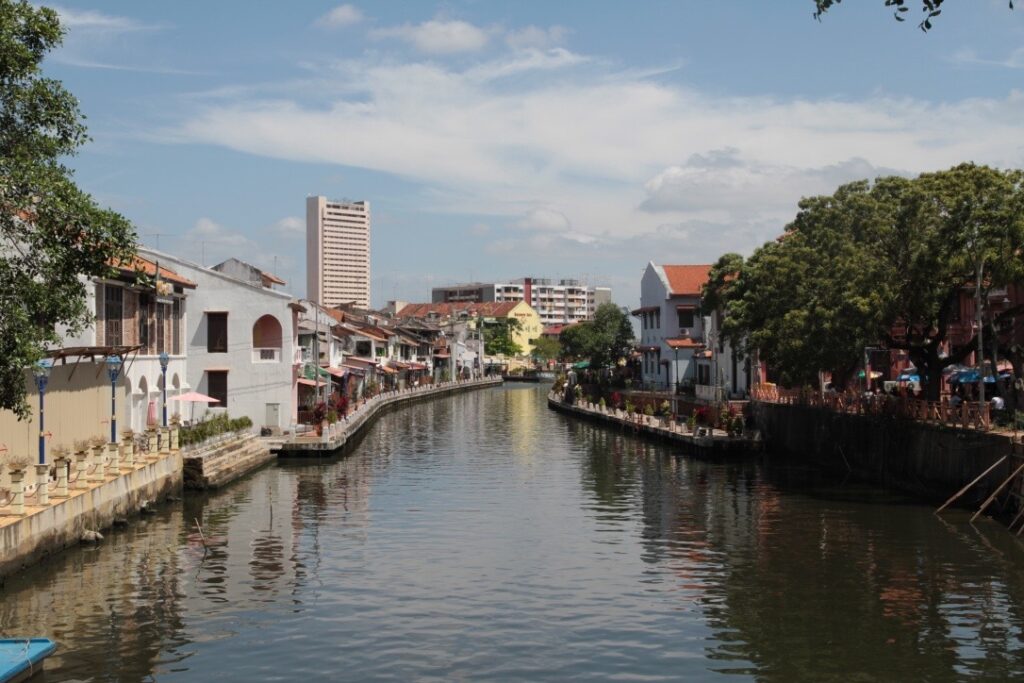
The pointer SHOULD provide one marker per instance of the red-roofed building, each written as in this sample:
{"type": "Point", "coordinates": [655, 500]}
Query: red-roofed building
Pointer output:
{"type": "Point", "coordinates": [678, 349]}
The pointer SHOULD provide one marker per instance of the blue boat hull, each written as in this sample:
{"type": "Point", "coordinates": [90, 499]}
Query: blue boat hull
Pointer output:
{"type": "Point", "coordinates": [21, 658]}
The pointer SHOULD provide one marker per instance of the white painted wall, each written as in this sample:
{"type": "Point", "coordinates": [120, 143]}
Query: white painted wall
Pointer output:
{"type": "Point", "coordinates": [654, 291]}
{"type": "Point", "coordinates": [251, 385]}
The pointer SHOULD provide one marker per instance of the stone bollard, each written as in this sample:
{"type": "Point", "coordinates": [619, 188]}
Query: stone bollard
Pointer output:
{"type": "Point", "coordinates": [114, 458]}
{"type": "Point", "coordinates": [81, 481]}
{"type": "Point", "coordinates": [62, 477]}
{"type": "Point", "coordinates": [18, 492]}
{"type": "Point", "coordinates": [42, 484]}
{"type": "Point", "coordinates": [99, 467]}
{"type": "Point", "coordinates": [175, 436]}
{"type": "Point", "coordinates": [165, 441]}
{"type": "Point", "coordinates": [151, 433]}
{"type": "Point", "coordinates": [128, 450]}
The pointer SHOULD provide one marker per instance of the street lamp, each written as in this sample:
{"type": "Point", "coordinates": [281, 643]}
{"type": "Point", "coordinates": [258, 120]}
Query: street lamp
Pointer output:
{"type": "Point", "coordinates": [41, 370]}
{"type": "Point", "coordinates": [164, 360]}
{"type": "Point", "coordinates": [113, 370]}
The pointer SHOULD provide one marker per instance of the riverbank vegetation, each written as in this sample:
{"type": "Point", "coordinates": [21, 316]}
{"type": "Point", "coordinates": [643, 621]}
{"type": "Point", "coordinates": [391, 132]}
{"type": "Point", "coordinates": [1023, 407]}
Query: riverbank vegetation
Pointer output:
{"type": "Point", "coordinates": [883, 264]}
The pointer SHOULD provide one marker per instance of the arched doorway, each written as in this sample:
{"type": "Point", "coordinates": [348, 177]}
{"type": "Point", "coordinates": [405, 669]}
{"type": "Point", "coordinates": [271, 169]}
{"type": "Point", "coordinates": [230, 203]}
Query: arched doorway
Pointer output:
{"type": "Point", "coordinates": [267, 338]}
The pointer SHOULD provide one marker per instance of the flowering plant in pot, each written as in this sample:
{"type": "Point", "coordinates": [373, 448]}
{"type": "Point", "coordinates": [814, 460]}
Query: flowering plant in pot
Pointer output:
{"type": "Point", "coordinates": [319, 413]}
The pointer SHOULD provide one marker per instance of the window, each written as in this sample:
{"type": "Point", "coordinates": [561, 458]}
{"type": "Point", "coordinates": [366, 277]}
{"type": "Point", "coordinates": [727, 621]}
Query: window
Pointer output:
{"type": "Point", "coordinates": [176, 331]}
{"type": "Point", "coordinates": [217, 333]}
{"type": "Point", "coordinates": [217, 387]}
{"type": "Point", "coordinates": [113, 308]}
{"type": "Point", "coordinates": [685, 317]}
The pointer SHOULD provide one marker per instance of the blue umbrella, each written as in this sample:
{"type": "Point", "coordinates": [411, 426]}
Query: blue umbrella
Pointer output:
{"type": "Point", "coordinates": [970, 377]}
{"type": "Point", "coordinates": [906, 377]}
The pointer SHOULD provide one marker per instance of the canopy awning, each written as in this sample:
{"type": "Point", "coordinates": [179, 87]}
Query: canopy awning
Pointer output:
{"type": "Point", "coordinates": [582, 365]}
{"type": "Point", "coordinates": [644, 309]}
{"type": "Point", "coordinates": [335, 372]}
{"type": "Point", "coordinates": [686, 307]}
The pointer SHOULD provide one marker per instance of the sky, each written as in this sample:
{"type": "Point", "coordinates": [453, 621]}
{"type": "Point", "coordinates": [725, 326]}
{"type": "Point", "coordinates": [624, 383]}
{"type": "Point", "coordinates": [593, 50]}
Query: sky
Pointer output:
{"type": "Point", "coordinates": [577, 139]}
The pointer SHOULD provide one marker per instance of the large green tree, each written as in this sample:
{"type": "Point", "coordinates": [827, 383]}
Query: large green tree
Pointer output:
{"type": "Point", "coordinates": [930, 9]}
{"type": "Point", "coordinates": [604, 340]}
{"type": "Point", "coordinates": [546, 348]}
{"type": "Point", "coordinates": [53, 236]}
{"type": "Point", "coordinates": [499, 337]}
{"type": "Point", "coordinates": [880, 264]}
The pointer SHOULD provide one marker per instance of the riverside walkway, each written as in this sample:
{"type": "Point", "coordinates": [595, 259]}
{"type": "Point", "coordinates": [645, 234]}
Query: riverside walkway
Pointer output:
{"type": "Point", "coordinates": [337, 435]}
{"type": "Point", "coordinates": [706, 442]}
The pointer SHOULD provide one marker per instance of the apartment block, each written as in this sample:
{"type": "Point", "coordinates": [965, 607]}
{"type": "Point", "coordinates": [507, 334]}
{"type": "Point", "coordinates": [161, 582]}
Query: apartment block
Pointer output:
{"type": "Point", "coordinates": [338, 252]}
{"type": "Point", "coordinates": [561, 301]}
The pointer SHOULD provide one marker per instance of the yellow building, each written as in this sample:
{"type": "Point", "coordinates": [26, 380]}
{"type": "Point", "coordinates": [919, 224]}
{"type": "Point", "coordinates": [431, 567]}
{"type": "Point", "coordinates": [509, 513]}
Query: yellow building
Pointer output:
{"type": "Point", "coordinates": [530, 327]}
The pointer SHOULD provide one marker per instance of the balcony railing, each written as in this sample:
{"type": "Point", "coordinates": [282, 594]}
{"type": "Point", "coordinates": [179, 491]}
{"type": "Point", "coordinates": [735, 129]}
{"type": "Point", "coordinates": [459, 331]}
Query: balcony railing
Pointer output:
{"type": "Point", "coordinates": [266, 355]}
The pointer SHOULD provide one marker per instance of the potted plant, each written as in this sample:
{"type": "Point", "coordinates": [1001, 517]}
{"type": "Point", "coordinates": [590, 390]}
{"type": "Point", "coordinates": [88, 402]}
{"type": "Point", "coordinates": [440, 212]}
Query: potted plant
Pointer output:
{"type": "Point", "coordinates": [691, 423]}
{"type": "Point", "coordinates": [98, 444]}
{"type": "Point", "coordinates": [319, 414]}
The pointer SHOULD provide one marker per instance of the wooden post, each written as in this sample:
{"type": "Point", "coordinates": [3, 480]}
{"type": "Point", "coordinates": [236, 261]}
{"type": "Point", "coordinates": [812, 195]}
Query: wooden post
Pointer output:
{"type": "Point", "coordinates": [42, 484]}
{"type": "Point", "coordinates": [976, 480]}
{"type": "Point", "coordinates": [997, 492]}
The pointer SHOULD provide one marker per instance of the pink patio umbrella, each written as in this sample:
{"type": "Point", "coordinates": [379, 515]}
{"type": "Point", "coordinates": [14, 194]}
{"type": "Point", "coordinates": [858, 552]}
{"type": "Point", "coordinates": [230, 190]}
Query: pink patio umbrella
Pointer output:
{"type": "Point", "coordinates": [194, 397]}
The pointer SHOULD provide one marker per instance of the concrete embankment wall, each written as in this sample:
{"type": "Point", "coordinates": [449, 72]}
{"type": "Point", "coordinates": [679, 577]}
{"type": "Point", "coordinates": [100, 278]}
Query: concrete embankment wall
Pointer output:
{"type": "Point", "coordinates": [224, 460]}
{"type": "Point", "coordinates": [45, 530]}
{"type": "Point", "coordinates": [343, 435]}
{"type": "Point", "coordinates": [928, 461]}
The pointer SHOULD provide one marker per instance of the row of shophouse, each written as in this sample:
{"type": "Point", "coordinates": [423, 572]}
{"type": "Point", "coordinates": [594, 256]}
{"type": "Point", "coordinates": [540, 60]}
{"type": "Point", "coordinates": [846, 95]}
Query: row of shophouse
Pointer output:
{"type": "Point", "coordinates": [173, 328]}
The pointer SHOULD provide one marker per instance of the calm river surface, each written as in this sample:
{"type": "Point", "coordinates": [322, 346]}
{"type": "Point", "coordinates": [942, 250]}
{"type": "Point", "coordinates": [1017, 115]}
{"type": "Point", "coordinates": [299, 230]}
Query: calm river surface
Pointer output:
{"type": "Point", "coordinates": [484, 537]}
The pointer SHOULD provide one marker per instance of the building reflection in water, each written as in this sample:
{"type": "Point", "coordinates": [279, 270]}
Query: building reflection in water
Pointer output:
{"type": "Point", "coordinates": [804, 580]}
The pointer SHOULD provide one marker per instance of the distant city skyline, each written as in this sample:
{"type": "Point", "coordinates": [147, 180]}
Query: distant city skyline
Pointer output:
{"type": "Point", "coordinates": [570, 140]}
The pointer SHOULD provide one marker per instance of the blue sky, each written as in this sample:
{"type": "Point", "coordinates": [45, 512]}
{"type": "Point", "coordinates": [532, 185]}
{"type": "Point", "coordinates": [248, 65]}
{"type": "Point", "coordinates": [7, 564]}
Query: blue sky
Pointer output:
{"type": "Point", "coordinates": [496, 140]}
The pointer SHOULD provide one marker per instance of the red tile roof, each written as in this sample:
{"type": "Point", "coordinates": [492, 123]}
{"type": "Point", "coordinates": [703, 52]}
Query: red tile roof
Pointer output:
{"type": "Point", "coordinates": [686, 280]}
{"type": "Point", "coordinates": [496, 309]}
{"type": "Point", "coordinates": [141, 265]}
{"type": "Point", "coordinates": [683, 343]}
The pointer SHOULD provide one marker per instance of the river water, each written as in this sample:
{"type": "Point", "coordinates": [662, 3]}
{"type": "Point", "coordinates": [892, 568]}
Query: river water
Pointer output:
{"type": "Point", "coordinates": [485, 537]}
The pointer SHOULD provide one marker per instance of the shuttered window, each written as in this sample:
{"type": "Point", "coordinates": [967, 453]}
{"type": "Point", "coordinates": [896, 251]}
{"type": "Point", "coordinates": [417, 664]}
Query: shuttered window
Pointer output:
{"type": "Point", "coordinates": [113, 308]}
{"type": "Point", "coordinates": [217, 387]}
{"type": "Point", "coordinates": [217, 332]}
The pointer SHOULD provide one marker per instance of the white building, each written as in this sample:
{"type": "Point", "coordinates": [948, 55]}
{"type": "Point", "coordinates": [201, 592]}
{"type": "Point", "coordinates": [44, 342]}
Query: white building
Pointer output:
{"type": "Point", "coordinates": [566, 301]}
{"type": "Point", "coordinates": [241, 341]}
{"type": "Point", "coordinates": [141, 315]}
{"type": "Point", "coordinates": [680, 347]}
{"type": "Point", "coordinates": [337, 252]}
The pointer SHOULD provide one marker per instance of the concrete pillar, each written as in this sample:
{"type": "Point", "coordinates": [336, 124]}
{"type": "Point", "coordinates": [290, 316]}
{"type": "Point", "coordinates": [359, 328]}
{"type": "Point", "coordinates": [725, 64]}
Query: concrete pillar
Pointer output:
{"type": "Point", "coordinates": [18, 492]}
{"type": "Point", "coordinates": [98, 472]}
{"type": "Point", "coordinates": [165, 441]}
{"type": "Point", "coordinates": [114, 458]}
{"type": "Point", "coordinates": [151, 433]}
{"type": "Point", "coordinates": [42, 484]}
{"type": "Point", "coordinates": [81, 480]}
{"type": "Point", "coordinates": [62, 478]}
{"type": "Point", "coordinates": [128, 450]}
{"type": "Point", "coordinates": [175, 436]}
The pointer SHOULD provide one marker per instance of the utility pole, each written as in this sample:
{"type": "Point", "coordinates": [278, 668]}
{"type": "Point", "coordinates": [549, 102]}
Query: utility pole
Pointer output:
{"type": "Point", "coordinates": [981, 345]}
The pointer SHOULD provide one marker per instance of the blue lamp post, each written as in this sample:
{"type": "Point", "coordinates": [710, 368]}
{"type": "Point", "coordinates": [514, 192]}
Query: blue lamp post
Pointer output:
{"type": "Point", "coordinates": [114, 370]}
{"type": "Point", "coordinates": [42, 373]}
{"type": "Point", "coordinates": [164, 360]}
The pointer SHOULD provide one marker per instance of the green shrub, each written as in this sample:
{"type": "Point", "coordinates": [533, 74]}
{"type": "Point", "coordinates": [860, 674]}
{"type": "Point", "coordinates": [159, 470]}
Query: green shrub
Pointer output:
{"type": "Point", "coordinates": [218, 424]}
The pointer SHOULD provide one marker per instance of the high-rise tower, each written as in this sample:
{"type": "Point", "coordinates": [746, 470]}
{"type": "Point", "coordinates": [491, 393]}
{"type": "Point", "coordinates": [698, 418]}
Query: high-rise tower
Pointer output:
{"type": "Point", "coordinates": [337, 252]}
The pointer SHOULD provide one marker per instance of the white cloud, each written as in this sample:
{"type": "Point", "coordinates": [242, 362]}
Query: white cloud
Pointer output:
{"type": "Point", "coordinates": [619, 153]}
{"type": "Point", "coordinates": [437, 37]}
{"type": "Point", "coordinates": [1015, 60]}
{"type": "Point", "coordinates": [340, 17]}
{"type": "Point", "coordinates": [291, 226]}
{"type": "Point", "coordinates": [90, 20]}
{"type": "Point", "coordinates": [536, 37]}
{"type": "Point", "coordinates": [544, 219]}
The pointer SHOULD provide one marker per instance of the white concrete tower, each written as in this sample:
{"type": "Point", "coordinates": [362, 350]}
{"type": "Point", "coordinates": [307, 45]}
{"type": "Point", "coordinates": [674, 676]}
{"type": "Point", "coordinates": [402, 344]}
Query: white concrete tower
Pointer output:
{"type": "Point", "coordinates": [337, 252]}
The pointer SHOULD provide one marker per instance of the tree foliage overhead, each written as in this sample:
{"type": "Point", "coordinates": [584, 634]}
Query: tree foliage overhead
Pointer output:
{"type": "Point", "coordinates": [930, 9]}
{"type": "Point", "coordinates": [52, 235]}
{"type": "Point", "coordinates": [878, 264]}
{"type": "Point", "coordinates": [604, 340]}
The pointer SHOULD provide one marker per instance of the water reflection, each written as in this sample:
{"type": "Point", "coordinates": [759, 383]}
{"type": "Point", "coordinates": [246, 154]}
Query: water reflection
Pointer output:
{"type": "Point", "coordinates": [487, 537]}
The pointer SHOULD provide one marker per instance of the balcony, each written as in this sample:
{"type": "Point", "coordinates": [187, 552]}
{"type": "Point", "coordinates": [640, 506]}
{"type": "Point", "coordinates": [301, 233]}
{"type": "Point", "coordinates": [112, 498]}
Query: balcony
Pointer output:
{"type": "Point", "coordinates": [266, 355]}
